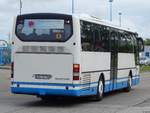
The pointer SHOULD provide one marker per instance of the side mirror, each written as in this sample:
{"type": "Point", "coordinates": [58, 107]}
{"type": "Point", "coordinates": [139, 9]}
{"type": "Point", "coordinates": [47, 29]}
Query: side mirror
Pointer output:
{"type": "Point", "coordinates": [140, 44]}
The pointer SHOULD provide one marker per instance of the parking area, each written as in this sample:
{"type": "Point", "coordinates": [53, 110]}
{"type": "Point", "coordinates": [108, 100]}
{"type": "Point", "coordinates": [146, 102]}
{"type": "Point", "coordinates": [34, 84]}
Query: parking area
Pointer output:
{"type": "Point", "coordinates": [136, 101]}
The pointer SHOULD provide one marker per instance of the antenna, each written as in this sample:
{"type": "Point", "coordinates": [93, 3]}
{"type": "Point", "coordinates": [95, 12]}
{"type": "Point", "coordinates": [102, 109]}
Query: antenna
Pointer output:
{"type": "Point", "coordinates": [20, 7]}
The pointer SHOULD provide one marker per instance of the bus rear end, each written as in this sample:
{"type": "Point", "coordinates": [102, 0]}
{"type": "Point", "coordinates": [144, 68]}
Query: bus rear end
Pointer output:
{"type": "Point", "coordinates": [43, 57]}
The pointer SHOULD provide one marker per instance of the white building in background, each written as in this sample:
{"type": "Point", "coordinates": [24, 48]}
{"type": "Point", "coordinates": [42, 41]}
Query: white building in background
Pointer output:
{"type": "Point", "coordinates": [146, 52]}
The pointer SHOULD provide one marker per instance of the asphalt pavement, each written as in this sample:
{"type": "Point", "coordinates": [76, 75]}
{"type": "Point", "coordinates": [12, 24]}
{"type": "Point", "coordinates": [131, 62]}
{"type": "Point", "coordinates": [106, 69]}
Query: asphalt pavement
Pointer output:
{"type": "Point", "coordinates": [136, 101]}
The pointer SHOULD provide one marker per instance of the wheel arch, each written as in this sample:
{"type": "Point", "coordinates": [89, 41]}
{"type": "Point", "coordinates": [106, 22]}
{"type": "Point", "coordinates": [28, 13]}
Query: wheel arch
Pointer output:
{"type": "Point", "coordinates": [130, 74]}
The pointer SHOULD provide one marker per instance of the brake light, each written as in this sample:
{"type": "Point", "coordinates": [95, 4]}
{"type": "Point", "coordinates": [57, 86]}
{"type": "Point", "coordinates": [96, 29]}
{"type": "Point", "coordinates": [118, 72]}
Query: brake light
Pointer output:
{"type": "Point", "coordinates": [76, 68]}
{"type": "Point", "coordinates": [12, 70]}
{"type": "Point", "coordinates": [76, 78]}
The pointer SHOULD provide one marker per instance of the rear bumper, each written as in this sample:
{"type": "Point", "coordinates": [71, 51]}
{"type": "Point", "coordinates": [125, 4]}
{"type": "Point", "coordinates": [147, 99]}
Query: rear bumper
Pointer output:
{"type": "Point", "coordinates": [40, 91]}
{"type": "Point", "coordinates": [71, 90]}
{"type": "Point", "coordinates": [43, 89]}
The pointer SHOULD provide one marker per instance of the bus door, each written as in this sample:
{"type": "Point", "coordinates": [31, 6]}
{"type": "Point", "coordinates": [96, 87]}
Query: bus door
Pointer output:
{"type": "Point", "coordinates": [114, 59]}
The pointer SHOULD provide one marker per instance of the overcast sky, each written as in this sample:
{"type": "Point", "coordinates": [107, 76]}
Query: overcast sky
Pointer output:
{"type": "Point", "coordinates": [135, 13]}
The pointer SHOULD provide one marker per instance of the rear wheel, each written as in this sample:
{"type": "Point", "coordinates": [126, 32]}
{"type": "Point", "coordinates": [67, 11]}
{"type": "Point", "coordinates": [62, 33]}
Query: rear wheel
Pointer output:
{"type": "Point", "coordinates": [100, 90]}
{"type": "Point", "coordinates": [128, 89]}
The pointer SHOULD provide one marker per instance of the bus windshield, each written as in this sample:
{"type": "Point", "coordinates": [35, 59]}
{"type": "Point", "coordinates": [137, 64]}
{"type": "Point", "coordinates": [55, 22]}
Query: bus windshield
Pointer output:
{"type": "Point", "coordinates": [50, 30]}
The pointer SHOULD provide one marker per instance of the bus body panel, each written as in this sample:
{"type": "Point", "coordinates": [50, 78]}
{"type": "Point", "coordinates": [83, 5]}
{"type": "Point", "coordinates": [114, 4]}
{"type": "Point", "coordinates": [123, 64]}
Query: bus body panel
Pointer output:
{"type": "Point", "coordinates": [126, 60]}
{"type": "Point", "coordinates": [92, 61]}
{"type": "Point", "coordinates": [92, 67]}
{"type": "Point", "coordinates": [30, 67]}
{"type": "Point", "coordinates": [126, 63]}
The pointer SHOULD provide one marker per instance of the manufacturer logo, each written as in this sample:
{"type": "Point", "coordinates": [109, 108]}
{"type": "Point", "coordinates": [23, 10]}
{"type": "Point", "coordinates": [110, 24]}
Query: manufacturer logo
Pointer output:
{"type": "Point", "coordinates": [42, 76]}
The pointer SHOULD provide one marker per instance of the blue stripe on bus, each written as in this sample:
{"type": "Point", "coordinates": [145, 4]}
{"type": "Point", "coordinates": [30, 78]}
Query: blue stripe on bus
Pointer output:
{"type": "Point", "coordinates": [63, 92]}
{"type": "Point", "coordinates": [82, 92]}
{"type": "Point", "coordinates": [120, 85]}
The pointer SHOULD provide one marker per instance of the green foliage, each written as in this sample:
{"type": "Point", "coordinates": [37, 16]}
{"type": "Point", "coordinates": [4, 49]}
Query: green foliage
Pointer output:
{"type": "Point", "coordinates": [147, 41]}
{"type": "Point", "coordinates": [145, 68]}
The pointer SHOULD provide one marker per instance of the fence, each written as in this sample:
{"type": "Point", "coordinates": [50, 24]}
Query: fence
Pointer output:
{"type": "Point", "coordinates": [5, 55]}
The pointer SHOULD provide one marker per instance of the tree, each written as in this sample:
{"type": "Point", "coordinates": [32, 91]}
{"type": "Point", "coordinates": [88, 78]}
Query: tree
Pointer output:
{"type": "Point", "coordinates": [147, 41]}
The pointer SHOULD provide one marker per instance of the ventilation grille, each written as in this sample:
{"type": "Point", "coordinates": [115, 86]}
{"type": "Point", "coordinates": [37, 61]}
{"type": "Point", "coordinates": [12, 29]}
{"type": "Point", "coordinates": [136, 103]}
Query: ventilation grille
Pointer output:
{"type": "Point", "coordinates": [86, 79]}
{"type": "Point", "coordinates": [43, 49]}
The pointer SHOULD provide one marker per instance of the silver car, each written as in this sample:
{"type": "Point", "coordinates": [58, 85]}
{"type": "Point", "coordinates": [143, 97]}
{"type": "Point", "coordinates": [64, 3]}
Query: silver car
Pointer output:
{"type": "Point", "coordinates": [145, 61]}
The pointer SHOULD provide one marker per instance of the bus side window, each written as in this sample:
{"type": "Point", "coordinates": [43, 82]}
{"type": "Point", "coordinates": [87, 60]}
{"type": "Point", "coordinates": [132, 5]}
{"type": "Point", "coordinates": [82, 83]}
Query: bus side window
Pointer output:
{"type": "Point", "coordinates": [130, 48]}
{"type": "Point", "coordinates": [103, 39]}
{"type": "Point", "coordinates": [87, 39]}
{"type": "Point", "coordinates": [114, 40]}
{"type": "Point", "coordinates": [136, 53]}
{"type": "Point", "coordinates": [122, 43]}
{"type": "Point", "coordinates": [94, 37]}
{"type": "Point", "coordinates": [98, 40]}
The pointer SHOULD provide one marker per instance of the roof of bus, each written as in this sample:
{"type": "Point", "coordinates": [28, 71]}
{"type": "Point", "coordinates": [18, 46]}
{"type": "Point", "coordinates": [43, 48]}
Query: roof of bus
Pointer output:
{"type": "Point", "coordinates": [87, 17]}
{"type": "Point", "coordinates": [102, 22]}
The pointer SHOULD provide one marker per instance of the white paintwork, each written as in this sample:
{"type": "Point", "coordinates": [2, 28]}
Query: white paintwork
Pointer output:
{"type": "Point", "coordinates": [125, 61]}
{"type": "Point", "coordinates": [59, 66]}
{"type": "Point", "coordinates": [95, 61]}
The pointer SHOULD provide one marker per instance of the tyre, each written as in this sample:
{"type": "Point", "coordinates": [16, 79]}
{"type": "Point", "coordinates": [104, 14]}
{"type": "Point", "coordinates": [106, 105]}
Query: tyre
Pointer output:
{"type": "Point", "coordinates": [100, 90]}
{"type": "Point", "coordinates": [128, 89]}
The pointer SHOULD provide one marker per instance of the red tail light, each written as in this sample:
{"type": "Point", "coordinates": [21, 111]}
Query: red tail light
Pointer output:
{"type": "Point", "coordinates": [76, 68]}
{"type": "Point", "coordinates": [12, 70]}
{"type": "Point", "coordinates": [76, 78]}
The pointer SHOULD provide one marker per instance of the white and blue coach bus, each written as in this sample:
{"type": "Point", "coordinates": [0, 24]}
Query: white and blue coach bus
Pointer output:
{"type": "Point", "coordinates": [72, 55]}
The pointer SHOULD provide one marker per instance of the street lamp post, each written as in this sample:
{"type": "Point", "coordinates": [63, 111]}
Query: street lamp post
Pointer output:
{"type": "Point", "coordinates": [120, 18]}
{"type": "Point", "coordinates": [20, 6]}
{"type": "Point", "coordinates": [110, 2]}
{"type": "Point", "coordinates": [72, 6]}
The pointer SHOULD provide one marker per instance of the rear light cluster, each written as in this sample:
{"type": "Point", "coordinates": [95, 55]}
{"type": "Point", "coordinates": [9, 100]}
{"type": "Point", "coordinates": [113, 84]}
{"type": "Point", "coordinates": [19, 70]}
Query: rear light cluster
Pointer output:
{"type": "Point", "coordinates": [12, 70]}
{"type": "Point", "coordinates": [76, 71]}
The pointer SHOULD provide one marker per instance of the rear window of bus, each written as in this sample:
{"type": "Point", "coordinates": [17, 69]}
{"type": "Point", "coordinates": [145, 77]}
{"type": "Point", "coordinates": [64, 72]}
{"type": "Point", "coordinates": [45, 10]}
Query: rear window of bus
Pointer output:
{"type": "Point", "coordinates": [44, 29]}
